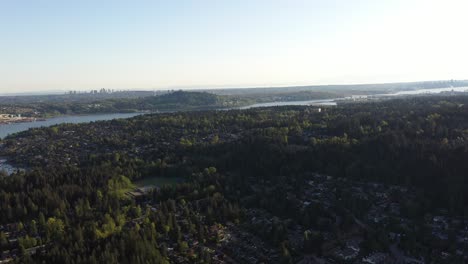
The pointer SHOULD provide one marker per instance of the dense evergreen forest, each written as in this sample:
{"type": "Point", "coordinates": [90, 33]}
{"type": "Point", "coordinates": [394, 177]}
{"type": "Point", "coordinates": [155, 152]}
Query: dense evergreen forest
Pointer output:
{"type": "Point", "coordinates": [381, 180]}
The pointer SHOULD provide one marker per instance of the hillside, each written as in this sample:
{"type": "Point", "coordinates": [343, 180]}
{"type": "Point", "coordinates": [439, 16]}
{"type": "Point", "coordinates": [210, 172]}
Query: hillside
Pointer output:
{"type": "Point", "coordinates": [181, 100]}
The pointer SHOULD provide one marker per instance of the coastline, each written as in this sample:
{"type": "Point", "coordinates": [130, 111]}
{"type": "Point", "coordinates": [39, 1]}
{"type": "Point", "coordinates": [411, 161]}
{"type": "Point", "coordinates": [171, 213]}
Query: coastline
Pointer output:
{"type": "Point", "coordinates": [17, 120]}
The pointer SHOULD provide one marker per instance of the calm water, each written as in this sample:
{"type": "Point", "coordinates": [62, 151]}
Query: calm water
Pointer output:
{"type": "Point", "coordinates": [430, 91]}
{"type": "Point", "coordinates": [9, 129]}
{"type": "Point", "coordinates": [310, 102]}
{"type": "Point", "coordinates": [332, 102]}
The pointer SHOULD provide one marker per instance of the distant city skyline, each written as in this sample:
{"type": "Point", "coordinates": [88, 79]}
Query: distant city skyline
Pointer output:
{"type": "Point", "coordinates": [57, 45]}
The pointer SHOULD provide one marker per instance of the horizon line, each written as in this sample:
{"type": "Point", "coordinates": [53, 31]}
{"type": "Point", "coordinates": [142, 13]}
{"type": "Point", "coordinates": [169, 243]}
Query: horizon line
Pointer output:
{"type": "Point", "coordinates": [215, 87]}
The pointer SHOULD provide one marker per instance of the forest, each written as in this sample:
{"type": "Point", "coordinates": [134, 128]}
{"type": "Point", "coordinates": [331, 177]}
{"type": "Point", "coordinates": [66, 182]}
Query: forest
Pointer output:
{"type": "Point", "coordinates": [75, 104]}
{"type": "Point", "coordinates": [370, 181]}
{"type": "Point", "coordinates": [112, 101]}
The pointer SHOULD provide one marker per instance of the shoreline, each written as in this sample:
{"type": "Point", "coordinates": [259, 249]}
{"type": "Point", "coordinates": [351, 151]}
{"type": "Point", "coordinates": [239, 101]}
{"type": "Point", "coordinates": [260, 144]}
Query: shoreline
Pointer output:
{"type": "Point", "coordinates": [318, 102]}
{"type": "Point", "coordinates": [17, 120]}
{"type": "Point", "coordinates": [42, 119]}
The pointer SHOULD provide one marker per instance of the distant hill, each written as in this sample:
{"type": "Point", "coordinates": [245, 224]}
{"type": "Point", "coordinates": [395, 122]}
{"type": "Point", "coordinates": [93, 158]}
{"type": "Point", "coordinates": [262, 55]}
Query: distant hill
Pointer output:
{"type": "Point", "coordinates": [179, 101]}
{"type": "Point", "coordinates": [108, 101]}
{"type": "Point", "coordinates": [182, 100]}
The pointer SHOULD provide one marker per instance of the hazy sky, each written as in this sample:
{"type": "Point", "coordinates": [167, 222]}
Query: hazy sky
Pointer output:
{"type": "Point", "coordinates": [87, 44]}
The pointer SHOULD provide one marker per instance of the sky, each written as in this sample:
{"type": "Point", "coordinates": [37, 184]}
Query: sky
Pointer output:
{"type": "Point", "coordinates": [50, 45]}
